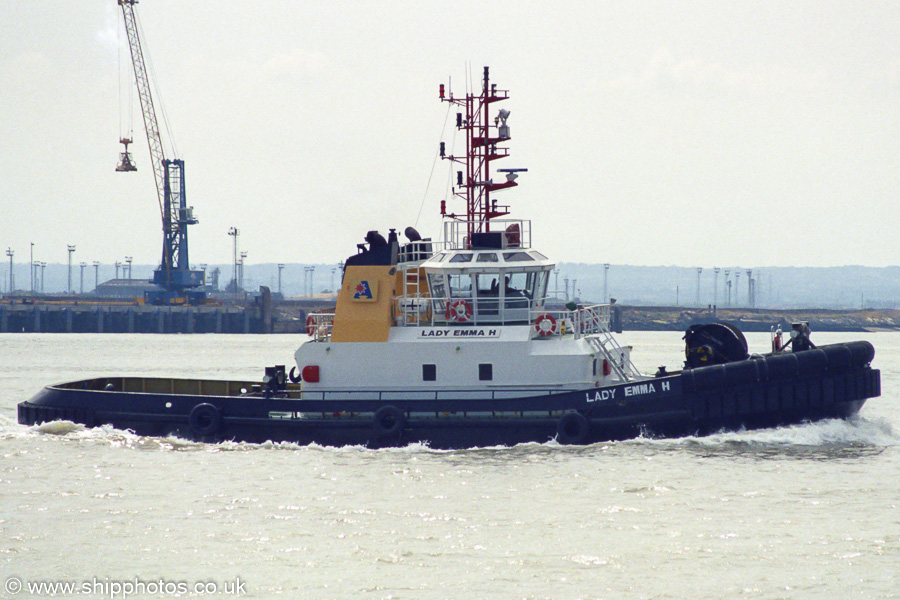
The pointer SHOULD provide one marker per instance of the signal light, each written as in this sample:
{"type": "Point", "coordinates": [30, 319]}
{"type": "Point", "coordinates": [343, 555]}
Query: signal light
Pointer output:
{"type": "Point", "coordinates": [442, 91]}
{"type": "Point", "coordinates": [443, 207]}
{"type": "Point", "coordinates": [442, 149]}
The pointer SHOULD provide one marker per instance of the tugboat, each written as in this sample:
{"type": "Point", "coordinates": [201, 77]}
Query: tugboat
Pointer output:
{"type": "Point", "coordinates": [454, 343]}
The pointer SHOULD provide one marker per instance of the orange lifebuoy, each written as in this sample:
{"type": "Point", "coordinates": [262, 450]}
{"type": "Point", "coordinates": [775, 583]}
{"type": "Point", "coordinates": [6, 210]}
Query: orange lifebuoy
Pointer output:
{"type": "Point", "coordinates": [459, 311]}
{"type": "Point", "coordinates": [545, 324]}
{"type": "Point", "coordinates": [310, 325]}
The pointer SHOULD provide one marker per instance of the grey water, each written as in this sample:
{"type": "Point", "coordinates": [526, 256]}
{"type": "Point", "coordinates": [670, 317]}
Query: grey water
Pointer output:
{"type": "Point", "coordinates": [802, 512]}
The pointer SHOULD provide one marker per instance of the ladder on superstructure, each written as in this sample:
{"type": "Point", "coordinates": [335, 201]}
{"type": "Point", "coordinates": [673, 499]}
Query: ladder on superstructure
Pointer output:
{"type": "Point", "coordinates": [619, 360]}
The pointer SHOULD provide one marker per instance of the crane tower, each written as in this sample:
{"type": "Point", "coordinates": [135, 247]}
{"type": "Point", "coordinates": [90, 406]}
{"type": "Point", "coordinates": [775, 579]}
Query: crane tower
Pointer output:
{"type": "Point", "coordinates": [174, 276]}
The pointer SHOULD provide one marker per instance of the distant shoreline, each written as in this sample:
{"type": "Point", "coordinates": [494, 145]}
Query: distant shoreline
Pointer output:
{"type": "Point", "coordinates": [675, 318]}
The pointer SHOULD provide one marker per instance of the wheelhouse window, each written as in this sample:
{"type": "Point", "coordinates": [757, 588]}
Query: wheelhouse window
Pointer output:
{"type": "Point", "coordinates": [517, 256]}
{"type": "Point", "coordinates": [460, 285]}
{"type": "Point", "coordinates": [531, 285]}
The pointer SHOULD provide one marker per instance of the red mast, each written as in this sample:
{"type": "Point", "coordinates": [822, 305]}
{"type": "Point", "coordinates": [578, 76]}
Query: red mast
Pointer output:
{"type": "Point", "coordinates": [482, 147]}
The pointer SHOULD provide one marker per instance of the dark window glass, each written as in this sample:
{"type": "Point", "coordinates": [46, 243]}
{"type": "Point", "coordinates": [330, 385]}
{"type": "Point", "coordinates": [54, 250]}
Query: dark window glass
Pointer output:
{"type": "Point", "coordinates": [485, 372]}
{"type": "Point", "coordinates": [429, 372]}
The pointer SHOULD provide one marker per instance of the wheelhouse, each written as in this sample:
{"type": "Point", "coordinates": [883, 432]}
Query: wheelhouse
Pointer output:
{"type": "Point", "coordinates": [487, 286]}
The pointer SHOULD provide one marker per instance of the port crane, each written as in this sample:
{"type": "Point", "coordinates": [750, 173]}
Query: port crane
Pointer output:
{"type": "Point", "coordinates": [177, 282]}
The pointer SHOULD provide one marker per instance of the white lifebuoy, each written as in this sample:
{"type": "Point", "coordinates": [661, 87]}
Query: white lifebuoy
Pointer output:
{"type": "Point", "coordinates": [459, 311]}
{"type": "Point", "coordinates": [310, 325]}
{"type": "Point", "coordinates": [545, 324]}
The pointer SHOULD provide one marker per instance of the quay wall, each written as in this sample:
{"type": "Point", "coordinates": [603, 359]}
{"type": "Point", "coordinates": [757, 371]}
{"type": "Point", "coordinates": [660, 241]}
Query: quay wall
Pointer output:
{"type": "Point", "coordinates": [98, 318]}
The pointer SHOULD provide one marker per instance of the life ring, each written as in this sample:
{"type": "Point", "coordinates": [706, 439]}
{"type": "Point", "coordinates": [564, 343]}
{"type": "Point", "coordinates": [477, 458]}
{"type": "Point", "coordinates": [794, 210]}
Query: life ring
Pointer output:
{"type": "Point", "coordinates": [388, 421]}
{"type": "Point", "coordinates": [310, 325]}
{"type": "Point", "coordinates": [572, 428]}
{"type": "Point", "coordinates": [459, 311]}
{"type": "Point", "coordinates": [294, 376]}
{"type": "Point", "coordinates": [205, 419]}
{"type": "Point", "coordinates": [545, 324]}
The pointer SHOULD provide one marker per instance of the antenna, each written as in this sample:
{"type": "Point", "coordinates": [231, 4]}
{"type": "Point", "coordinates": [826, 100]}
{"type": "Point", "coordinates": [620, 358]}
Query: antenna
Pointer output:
{"type": "Point", "coordinates": [484, 137]}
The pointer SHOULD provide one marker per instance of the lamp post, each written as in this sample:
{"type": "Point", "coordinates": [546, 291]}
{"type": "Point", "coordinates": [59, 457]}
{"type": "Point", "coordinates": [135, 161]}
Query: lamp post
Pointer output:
{"type": "Point", "coordinates": [81, 287]}
{"type": "Point", "coordinates": [243, 261]}
{"type": "Point", "coordinates": [71, 248]}
{"type": "Point", "coordinates": [128, 260]}
{"type": "Point", "coordinates": [12, 287]}
{"type": "Point", "coordinates": [43, 268]}
{"type": "Point", "coordinates": [32, 267]}
{"type": "Point", "coordinates": [728, 287]}
{"type": "Point", "coordinates": [605, 277]}
{"type": "Point", "coordinates": [234, 232]}
{"type": "Point", "coordinates": [715, 286]}
{"type": "Point", "coordinates": [699, 270]}
{"type": "Point", "coordinates": [280, 269]}
{"type": "Point", "coordinates": [96, 274]}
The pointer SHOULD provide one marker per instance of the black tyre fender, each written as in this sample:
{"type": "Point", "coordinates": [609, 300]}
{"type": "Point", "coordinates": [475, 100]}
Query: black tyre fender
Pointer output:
{"type": "Point", "coordinates": [572, 428]}
{"type": "Point", "coordinates": [388, 421]}
{"type": "Point", "coordinates": [205, 419]}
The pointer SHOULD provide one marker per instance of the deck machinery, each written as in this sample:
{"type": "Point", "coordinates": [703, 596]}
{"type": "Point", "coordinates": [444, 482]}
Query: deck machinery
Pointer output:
{"type": "Point", "coordinates": [176, 280]}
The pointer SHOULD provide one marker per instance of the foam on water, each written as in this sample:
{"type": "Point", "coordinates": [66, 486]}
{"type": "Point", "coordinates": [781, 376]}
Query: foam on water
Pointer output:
{"type": "Point", "coordinates": [830, 436]}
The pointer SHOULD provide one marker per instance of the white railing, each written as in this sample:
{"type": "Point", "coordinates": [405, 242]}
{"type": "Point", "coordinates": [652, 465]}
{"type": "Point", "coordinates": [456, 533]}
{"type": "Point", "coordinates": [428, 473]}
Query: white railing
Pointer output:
{"type": "Point", "coordinates": [319, 325]}
{"type": "Point", "coordinates": [423, 311]}
{"type": "Point", "coordinates": [513, 233]}
{"type": "Point", "coordinates": [583, 320]}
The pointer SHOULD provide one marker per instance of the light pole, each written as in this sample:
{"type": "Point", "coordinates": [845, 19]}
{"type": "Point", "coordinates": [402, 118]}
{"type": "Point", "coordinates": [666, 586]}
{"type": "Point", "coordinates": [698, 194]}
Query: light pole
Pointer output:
{"type": "Point", "coordinates": [32, 267]}
{"type": "Point", "coordinates": [243, 261]}
{"type": "Point", "coordinates": [96, 274]}
{"type": "Point", "coordinates": [12, 286]}
{"type": "Point", "coordinates": [333, 271]}
{"type": "Point", "coordinates": [280, 269]}
{"type": "Point", "coordinates": [715, 286]}
{"type": "Point", "coordinates": [307, 281]}
{"type": "Point", "coordinates": [699, 270]}
{"type": "Point", "coordinates": [128, 260]}
{"type": "Point", "coordinates": [71, 248]}
{"type": "Point", "coordinates": [43, 268]}
{"type": "Point", "coordinates": [81, 287]}
{"type": "Point", "coordinates": [605, 289]}
{"type": "Point", "coordinates": [234, 232]}
{"type": "Point", "coordinates": [751, 301]}
{"type": "Point", "coordinates": [728, 285]}
{"type": "Point", "coordinates": [737, 288]}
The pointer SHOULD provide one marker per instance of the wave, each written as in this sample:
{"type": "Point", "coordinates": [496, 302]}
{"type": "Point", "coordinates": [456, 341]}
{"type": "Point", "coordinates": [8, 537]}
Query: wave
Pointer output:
{"type": "Point", "coordinates": [828, 439]}
{"type": "Point", "coordinates": [833, 438]}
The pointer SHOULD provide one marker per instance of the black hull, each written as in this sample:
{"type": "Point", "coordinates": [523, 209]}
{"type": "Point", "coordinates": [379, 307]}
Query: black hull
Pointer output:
{"type": "Point", "coordinates": [828, 382]}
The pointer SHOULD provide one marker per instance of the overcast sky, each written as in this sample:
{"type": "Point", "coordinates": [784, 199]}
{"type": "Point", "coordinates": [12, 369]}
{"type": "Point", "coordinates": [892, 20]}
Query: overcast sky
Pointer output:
{"type": "Point", "coordinates": [686, 133]}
